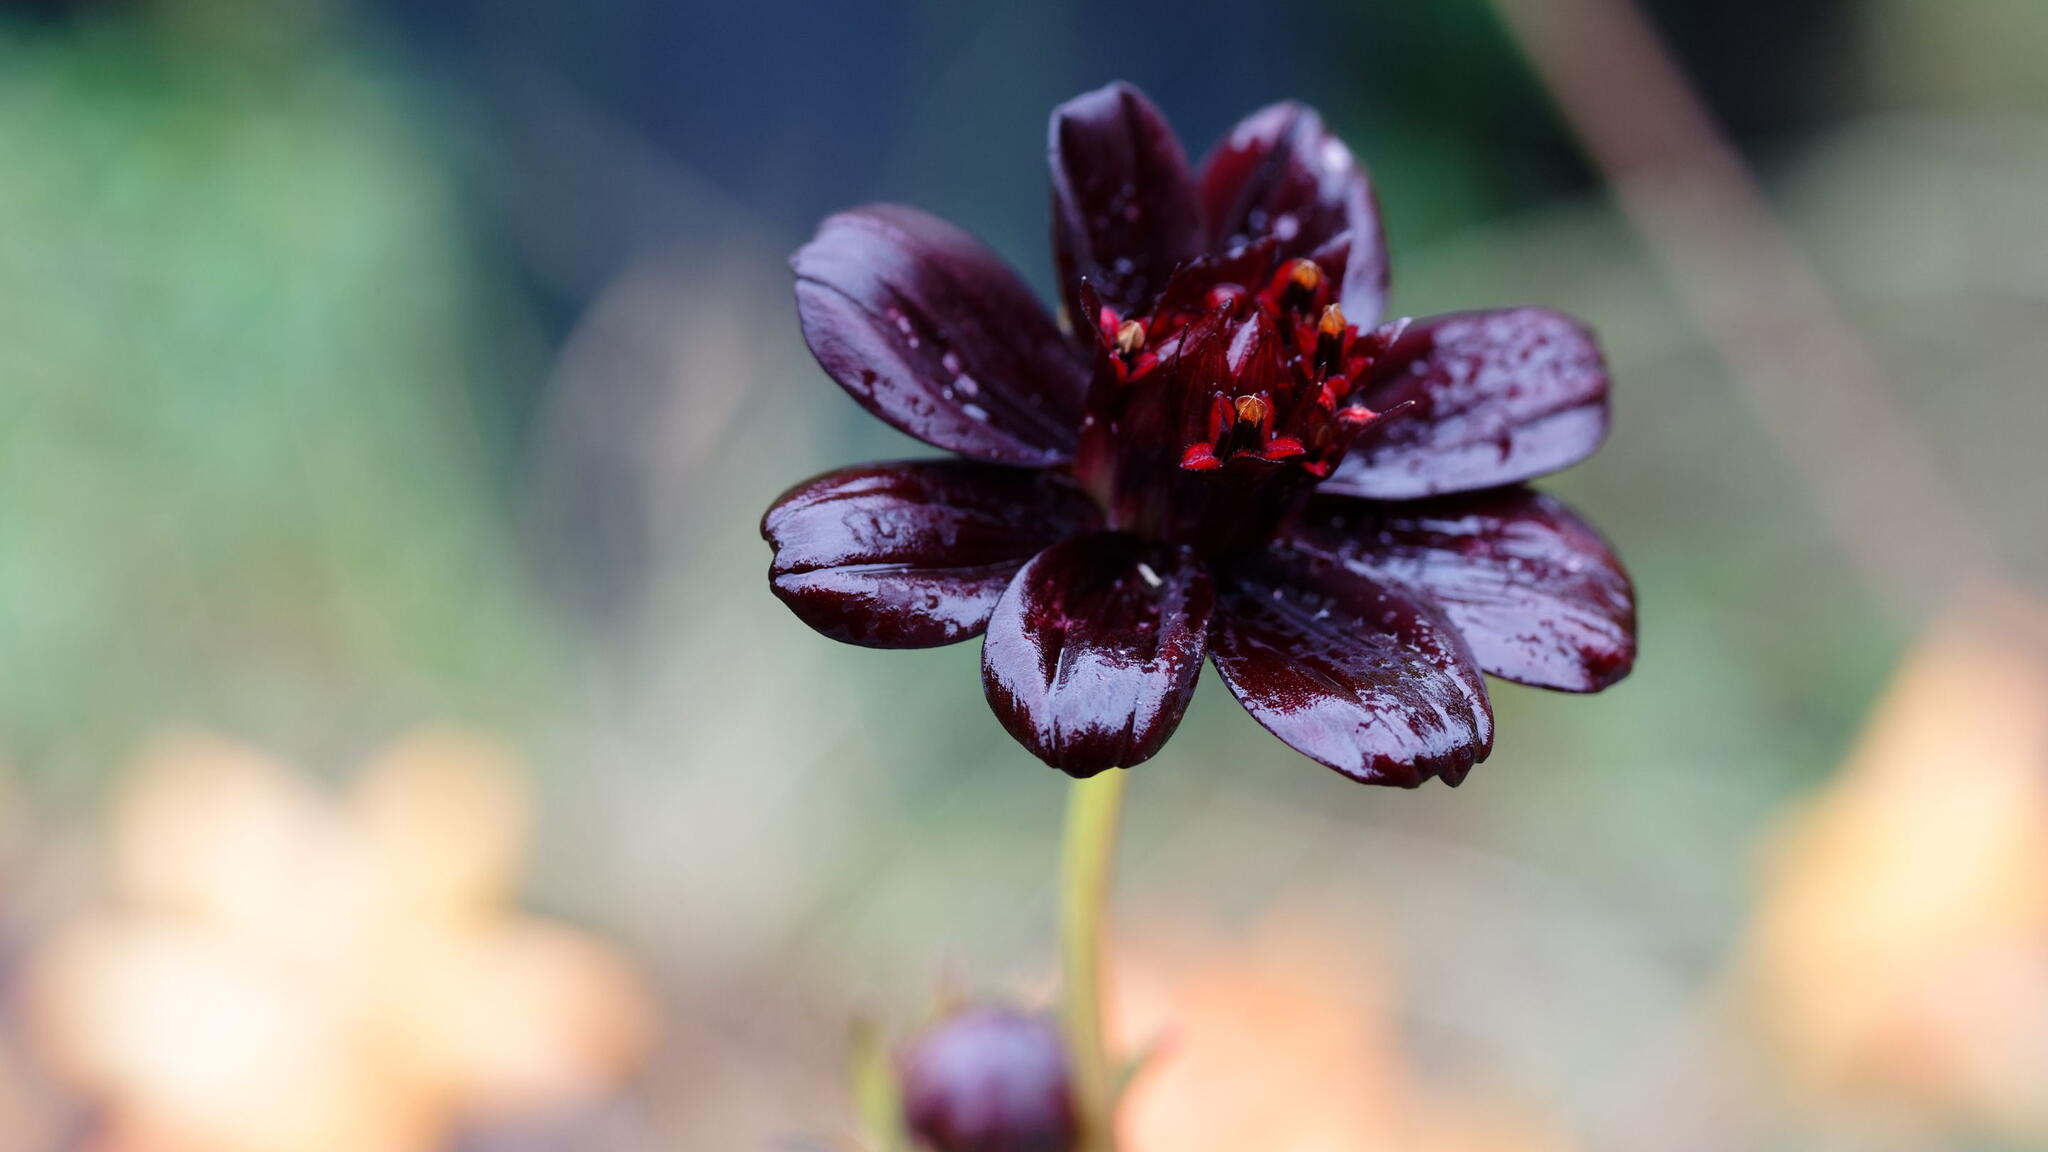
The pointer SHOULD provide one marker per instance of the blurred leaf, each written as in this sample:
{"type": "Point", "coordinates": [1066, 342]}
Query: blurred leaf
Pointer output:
{"type": "Point", "coordinates": [241, 477]}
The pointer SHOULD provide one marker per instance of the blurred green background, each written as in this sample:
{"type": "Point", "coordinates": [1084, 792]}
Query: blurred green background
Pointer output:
{"type": "Point", "coordinates": [370, 365]}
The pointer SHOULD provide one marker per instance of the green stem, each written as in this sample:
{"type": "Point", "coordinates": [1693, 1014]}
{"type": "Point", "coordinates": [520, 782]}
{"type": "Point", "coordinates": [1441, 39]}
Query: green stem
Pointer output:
{"type": "Point", "coordinates": [1086, 858]}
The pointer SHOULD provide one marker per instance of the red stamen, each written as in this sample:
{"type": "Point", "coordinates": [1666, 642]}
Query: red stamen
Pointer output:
{"type": "Point", "coordinates": [1263, 365]}
{"type": "Point", "coordinates": [1221, 414]}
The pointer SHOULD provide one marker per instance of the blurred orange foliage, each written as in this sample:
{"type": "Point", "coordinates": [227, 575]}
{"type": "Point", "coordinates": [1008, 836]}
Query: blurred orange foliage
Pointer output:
{"type": "Point", "coordinates": [1898, 956]}
{"type": "Point", "coordinates": [1285, 1040]}
{"type": "Point", "coordinates": [284, 970]}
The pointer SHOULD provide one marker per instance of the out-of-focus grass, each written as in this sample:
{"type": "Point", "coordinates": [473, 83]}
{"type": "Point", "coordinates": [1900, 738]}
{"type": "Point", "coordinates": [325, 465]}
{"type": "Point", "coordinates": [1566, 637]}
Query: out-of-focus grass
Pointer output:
{"type": "Point", "coordinates": [241, 477]}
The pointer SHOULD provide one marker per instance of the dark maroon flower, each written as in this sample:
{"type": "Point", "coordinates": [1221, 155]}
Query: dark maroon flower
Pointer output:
{"type": "Point", "coordinates": [989, 1079]}
{"type": "Point", "coordinates": [1224, 453]}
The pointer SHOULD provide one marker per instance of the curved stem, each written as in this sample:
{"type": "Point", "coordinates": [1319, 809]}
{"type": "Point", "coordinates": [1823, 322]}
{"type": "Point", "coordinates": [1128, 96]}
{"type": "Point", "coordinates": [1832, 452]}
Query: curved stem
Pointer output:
{"type": "Point", "coordinates": [1087, 855]}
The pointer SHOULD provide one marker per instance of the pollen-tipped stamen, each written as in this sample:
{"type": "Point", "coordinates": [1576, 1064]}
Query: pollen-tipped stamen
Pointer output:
{"type": "Point", "coordinates": [1130, 337]}
{"type": "Point", "coordinates": [1296, 287]}
{"type": "Point", "coordinates": [1257, 372]}
{"type": "Point", "coordinates": [1330, 330]}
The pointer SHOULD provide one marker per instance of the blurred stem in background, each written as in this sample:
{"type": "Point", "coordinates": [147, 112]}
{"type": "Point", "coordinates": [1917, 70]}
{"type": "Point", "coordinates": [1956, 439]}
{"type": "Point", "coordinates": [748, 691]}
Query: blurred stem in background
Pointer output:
{"type": "Point", "coordinates": [877, 1095]}
{"type": "Point", "coordinates": [1087, 856]}
{"type": "Point", "coordinates": [1812, 383]}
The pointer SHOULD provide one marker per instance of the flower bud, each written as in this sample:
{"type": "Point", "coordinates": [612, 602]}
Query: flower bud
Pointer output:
{"type": "Point", "coordinates": [989, 1079]}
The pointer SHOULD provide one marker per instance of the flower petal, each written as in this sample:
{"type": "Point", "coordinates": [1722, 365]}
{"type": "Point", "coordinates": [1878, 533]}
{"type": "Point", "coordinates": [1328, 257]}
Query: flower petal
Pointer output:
{"type": "Point", "coordinates": [1094, 649]}
{"type": "Point", "coordinates": [1281, 174]}
{"type": "Point", "coordinates": [1499, 397]}
{"type": "Point", "coordinates": [932, 332]}
{"type": "Point", "coordinates": [1123, 200]}
{"type": "Point", "coordinates": [916, 553]}
{"type": "Point", "coordinates": [1536, 593]}
{"type": "Point", "coordinates": [1358, 675]}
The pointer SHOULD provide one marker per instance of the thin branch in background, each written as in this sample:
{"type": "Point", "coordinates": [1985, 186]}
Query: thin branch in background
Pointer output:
{"type": "Point", "coordinates": [1811, 382]}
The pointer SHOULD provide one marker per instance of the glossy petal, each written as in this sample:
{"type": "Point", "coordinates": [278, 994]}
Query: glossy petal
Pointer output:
{"type": "Point", "coordinates": [1538, 596]}
{"type": "Point", "coordinates": [1281, 174]}
{"type": "Point", "coordinates": [916, 553]}
{"type": "Point", "coordinates": [932, 332]}
{"type": "Point", "coordinates": [1361, 676]}
{"type": "Point", "coordinates": [1499, 397]}
{"type": "Point", "coordinates": [1094, 649]}
{"type": "Point", "coordinates": [1124, 210]}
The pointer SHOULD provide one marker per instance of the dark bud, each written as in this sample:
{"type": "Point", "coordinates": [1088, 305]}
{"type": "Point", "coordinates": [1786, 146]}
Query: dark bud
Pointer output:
{"type": "Point", "coordinates": [989, 1079]}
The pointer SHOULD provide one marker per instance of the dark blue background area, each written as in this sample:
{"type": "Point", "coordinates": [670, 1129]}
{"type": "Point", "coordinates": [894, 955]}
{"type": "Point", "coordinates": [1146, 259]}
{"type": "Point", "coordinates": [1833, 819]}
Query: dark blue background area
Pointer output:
{"type": "Point", "coordinates": [794, 109]}
{"type": "Point", "coordinates": [589, 135]}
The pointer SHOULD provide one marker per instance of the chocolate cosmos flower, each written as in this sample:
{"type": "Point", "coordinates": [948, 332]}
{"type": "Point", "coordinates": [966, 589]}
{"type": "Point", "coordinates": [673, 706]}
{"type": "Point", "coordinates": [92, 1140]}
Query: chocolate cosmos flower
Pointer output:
{"type": "Point", "coordinates": [1227, 456]}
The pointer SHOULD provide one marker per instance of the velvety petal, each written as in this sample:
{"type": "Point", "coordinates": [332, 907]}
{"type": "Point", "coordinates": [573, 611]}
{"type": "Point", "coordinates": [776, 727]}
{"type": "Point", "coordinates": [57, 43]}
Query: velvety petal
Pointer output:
{"type": "Point", "coordinates": [916, 553]}
{"type": "Point", "coordinates": [932, 332]}
{"type": "Point", "coordinates": [1281, 174]}
{"type": "Point", "coordinates": [1498, 397]}
{"type": "Point", "coordinates": [1538, 596]}
{"type": "Point", "coordinates": [1365, 677]}
{"type": "Point", "coordinates": [1094, 649]}
{"type": "Point", "coordinates": [1124, 210]}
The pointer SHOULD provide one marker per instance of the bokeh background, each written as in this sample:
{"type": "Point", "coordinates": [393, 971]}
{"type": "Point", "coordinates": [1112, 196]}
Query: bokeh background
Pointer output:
{"type": "Point", "coordinates": [400, 749]}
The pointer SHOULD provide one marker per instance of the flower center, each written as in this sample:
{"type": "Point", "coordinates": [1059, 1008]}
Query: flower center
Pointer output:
{"type": "Point", "coordinates": [1210, 415]}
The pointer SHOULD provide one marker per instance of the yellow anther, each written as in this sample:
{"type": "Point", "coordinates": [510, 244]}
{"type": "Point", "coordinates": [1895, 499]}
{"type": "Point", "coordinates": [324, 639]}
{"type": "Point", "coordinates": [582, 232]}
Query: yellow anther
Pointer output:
{"type": "Point", "coordinates": [1130, 336]}
{"type": "Point", "coordinates": [1306, 275]}
{"type": "Point", "coordinates": [1332, 323]}
{"type": "Point", "coordinates": [1251, 410]}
